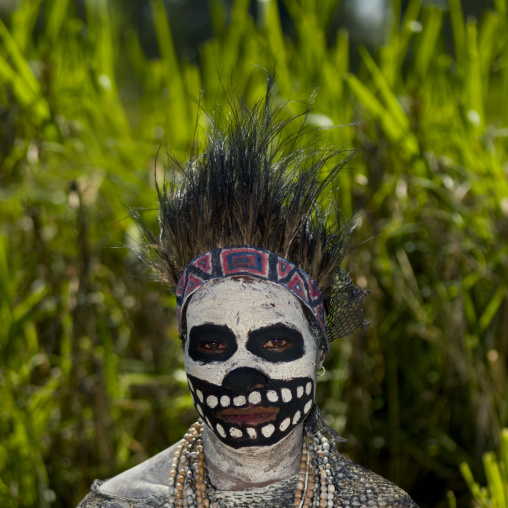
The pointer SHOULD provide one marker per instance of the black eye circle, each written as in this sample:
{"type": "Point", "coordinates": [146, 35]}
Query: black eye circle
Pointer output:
{"type": "Point", "coordinates": [276, 343]}
{"type": "Point", "coordinates": [211, 343]}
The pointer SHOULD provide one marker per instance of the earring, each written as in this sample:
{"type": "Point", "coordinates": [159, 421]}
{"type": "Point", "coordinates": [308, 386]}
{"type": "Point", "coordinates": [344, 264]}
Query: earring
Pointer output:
{"type": "Point", "coordinates": [319, 373]}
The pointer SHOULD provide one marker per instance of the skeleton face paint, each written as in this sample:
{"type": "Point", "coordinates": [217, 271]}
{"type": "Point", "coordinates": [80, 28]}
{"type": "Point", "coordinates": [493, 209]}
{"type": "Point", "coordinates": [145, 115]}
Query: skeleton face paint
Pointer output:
{"type": "Point", "coordinates": [251, 360]}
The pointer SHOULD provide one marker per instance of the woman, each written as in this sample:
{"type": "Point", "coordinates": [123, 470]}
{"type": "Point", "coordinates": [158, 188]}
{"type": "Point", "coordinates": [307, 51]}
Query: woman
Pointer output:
{"type": "Point", "coordinates": [260, 293]}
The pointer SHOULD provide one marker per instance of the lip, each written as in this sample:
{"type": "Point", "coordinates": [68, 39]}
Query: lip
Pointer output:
{"type": "Point", "coordinates": [251, 415]}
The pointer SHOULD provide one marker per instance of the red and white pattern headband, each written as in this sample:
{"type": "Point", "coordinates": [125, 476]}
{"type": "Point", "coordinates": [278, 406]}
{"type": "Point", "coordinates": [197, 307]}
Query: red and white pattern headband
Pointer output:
{"type": "Point", "coordinates": [253, 262]}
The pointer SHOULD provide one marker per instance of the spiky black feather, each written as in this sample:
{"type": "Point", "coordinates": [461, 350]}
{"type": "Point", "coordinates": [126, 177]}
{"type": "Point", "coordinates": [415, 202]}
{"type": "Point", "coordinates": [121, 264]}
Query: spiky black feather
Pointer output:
{"type": "Point", "coordinates": [254, 184]}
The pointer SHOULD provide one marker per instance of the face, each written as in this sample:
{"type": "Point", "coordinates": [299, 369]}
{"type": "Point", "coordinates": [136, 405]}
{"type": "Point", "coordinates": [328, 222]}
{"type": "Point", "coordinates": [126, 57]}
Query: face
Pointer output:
{"type": "Point", "coordinates": [251, 360]}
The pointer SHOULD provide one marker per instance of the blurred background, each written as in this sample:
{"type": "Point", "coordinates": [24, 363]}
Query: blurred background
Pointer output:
{"type": "Point", "coordinates": [91, 375]}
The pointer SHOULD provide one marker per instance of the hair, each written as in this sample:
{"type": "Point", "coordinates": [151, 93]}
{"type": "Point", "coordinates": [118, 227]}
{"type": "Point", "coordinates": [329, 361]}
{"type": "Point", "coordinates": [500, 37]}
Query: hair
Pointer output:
{"type": "Point", "coordinates": [256, 184]}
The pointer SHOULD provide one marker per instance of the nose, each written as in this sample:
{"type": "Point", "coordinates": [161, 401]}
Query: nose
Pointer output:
{"type": "Point", "coordinates": [244, 379]}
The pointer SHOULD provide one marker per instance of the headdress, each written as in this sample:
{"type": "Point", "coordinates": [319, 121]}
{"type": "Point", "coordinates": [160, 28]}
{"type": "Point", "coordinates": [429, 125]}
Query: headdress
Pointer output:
{"type": "Point", "coordinates": [256, 190]}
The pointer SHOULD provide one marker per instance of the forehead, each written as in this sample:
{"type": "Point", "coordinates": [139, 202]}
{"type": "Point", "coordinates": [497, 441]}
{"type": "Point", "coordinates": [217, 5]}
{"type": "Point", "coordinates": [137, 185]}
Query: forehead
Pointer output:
{"type": "Point", "coordinates": [245, 304]}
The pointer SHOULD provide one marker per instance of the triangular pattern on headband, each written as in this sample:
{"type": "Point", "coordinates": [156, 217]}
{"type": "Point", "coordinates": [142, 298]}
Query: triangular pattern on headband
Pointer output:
{"type": "Point", "coordinates": [254, 262]}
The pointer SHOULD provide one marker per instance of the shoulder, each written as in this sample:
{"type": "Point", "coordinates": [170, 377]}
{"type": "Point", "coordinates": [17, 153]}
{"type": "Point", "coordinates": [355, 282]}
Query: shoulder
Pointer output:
{"type": "Point", "coordinates": [358, 486]}
{"type": "Point", "coordinates": [141, 484]}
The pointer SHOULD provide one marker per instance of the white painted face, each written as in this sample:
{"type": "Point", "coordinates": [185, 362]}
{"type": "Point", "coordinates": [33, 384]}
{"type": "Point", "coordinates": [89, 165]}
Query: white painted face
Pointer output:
{"type": "Point", "coordinates": [251, 360]}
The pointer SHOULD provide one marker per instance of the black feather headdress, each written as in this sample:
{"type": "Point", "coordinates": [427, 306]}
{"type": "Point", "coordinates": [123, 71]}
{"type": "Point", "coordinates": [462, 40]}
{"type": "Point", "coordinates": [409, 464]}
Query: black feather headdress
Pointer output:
{"type": "Point", "coordinates": [255, 185]}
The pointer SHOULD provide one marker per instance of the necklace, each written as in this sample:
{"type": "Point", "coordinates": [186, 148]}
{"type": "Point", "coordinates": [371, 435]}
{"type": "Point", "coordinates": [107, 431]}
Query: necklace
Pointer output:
{"type": "Point", "coordinates": [189, 485]}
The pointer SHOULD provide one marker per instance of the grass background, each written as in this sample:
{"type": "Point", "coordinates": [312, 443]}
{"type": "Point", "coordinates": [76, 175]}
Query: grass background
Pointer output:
{"type": "Point", "coordinates": [91, 376]}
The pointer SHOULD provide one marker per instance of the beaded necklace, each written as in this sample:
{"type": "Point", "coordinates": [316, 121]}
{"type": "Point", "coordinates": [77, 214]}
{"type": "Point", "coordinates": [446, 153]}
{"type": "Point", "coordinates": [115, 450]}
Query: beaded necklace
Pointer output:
{"type": "Point", "coordinates": [189, 485]}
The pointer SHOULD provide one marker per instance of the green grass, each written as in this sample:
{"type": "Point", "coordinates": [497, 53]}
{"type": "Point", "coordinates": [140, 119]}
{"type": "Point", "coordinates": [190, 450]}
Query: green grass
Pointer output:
{"type": "Point", "coordinates": [91, 378]}
{"type": "Point", "coordinates": [495, 494]}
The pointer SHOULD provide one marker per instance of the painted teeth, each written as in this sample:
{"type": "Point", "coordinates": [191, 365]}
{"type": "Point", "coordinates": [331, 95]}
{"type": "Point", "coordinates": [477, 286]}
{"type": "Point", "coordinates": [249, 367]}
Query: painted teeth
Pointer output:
{"type": "Point", "coordinates": [220, 430]}
{"type": "Point", "coordinates": [200, 411]}
{"type": "Point", "coordinates": [307, 407]}
{"type": "Point", "coordinates": [296, 418]}
{"type": "Point", "coordinates": [285, 424]}
{"type": "Point", "coordinates": [299, 392]}
{"type": "Point", "coordinates": [224, 401]}
{"type": "Point", "coordinates": [239, 401]}
{"type": "Point", "coordinates": [268, 430]}
{"type": "Point", "coordinates": [190, 385]}
{"type": "Point", "coordinates": [308, 388]}
{"type": "Point", "coordinates": [255, 398]}
{"type": "Point", "coordinates": [252, 433]}
{"type": "Point", "coordinates": [212, 401]}
{"type": "Point", "coordinates": [199, 393]}
{"type": "Point", "coordinates": [235, 432]}
{"type": "Point", "coordinates": [272, 396]}
{"type": "Point", "coordinates": [286, 394]}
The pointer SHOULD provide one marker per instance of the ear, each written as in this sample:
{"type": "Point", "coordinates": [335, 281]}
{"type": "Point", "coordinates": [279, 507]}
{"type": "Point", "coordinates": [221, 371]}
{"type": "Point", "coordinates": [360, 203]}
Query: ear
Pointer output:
{"type": "Point", "coordinates": [321, 359]}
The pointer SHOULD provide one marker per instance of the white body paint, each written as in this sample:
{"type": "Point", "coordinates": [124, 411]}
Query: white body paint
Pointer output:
{"type": "Point", "coordinates": [231, 469]}
{"type": "Point", "coordinates": [244, 305]}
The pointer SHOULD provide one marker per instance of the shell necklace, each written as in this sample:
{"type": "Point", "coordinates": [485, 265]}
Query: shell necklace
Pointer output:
{"type": "Point", "coordinates": [189, 485]}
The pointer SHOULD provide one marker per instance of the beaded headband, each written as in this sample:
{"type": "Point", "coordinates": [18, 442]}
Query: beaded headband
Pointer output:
{"type": "Point", "coordinates": [254, 262]}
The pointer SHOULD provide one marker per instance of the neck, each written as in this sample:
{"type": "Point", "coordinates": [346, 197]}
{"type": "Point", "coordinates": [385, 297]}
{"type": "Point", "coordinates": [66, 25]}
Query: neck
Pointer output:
{"type": "Point", "coordinates": [250, 467]}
